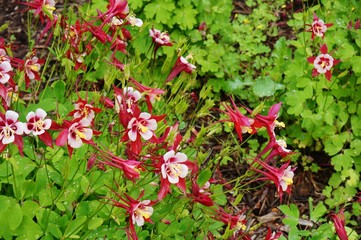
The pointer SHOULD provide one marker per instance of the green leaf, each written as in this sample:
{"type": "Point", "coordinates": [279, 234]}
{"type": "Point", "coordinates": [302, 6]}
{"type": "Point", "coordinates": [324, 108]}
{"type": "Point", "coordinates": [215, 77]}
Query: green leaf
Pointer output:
{"type": "Point", "coordinates": [29, 229]}
{"type": "Point", "coordinates": [342, 161]}
{"type": "Point", "coordinates": [84, 184]}
{"type": "Point", "coordinates": [265, 87]}
{"type": "Point", "coordinates": [161, 10]}
{"type": "Point", "coordinates": [346, 51]}
{"type": "Point", "coordinates": [291, 211]}
{"type": "Point", "coordinates": [95, 223]}
{"type": "Point", "coordinates": [356, 66]}
{"type": "Point", "coordinates": [75, 226]}
{"type": "Point", "coordinates": [203, 177]}
{"type": "Point", "coordinates": [15, 216]}
{"type": "Point", "coordinates": [59, 90]}
{"type": "Point", "coordinates": [318, 212]}
{"type": "Point", "coordinates": [186, 18]}
{"type": "Point", "coordinates": [55, 230]}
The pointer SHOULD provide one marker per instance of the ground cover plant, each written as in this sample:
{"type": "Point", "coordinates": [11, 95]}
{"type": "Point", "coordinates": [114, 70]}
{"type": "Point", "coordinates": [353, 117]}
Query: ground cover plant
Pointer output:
{"type": "Point", "coordinates": [181, 120]}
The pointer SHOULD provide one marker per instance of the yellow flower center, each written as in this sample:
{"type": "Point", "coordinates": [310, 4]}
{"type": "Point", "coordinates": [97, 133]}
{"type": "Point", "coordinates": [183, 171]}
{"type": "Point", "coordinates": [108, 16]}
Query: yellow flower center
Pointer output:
{"type": "Point", "coordinates": [142, 128]}
{"type": "Point", "coordinates": [144, 212]}
{"type": "Point", "coordinates": [287, 180]}
{"type": "Point", "coordinates": [280, 124]}
{"type": "Point", "coordinates": [39, 124]}
{"type": "Point", "coordinates": [34, 67]}
{"type": "Point", "coordinates": [79, 134]}
{"type": "Point", "coordinates": [8, 132]}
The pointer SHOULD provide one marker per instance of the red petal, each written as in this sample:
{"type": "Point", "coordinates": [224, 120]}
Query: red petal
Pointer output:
{"type": "Point", "coordinates": [311, 59]}
{"type": "Point", "coordinates": [62, 138]}
{"type": "Point", "coordinates": [324, 49]}
{"type": "Point", "coordinates": [328, 75]}
{"type": "Point", "coordinates": [46, 138]}
{"type": "Point", "coordinates": [164, 188]}
{"type": "Point", "coordinates": [315, 72]}
{"type": "Point", "coordinates": [335, 62]}
{"type": "Point", "coordinates": [19, 143]}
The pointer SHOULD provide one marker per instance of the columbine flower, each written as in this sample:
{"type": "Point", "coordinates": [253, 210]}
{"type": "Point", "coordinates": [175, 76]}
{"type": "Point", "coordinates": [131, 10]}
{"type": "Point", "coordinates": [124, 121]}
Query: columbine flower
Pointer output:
{"type": "Point", "coordinates": [200, 195]}
{"type": "Point", "coordinates": [272, 235]}
{"type": "Point", "coordinates": [130, 168]}
{"type": "Point", "coordinates": [181, 65]}
{"type": "Point", "coordinates": [339, 222]}
{"type": "Point", "coordinates": [139, 211]}
{"type": "Point", "coordinates": [173, 170]}
{"type": "Point", "coordinates": [282, 177]}
{"type": "Point", "coordinates": [8, 95]}
{"type": "Point", "coordinates": [323, 63]}
{"type": "Point", "coordinates": [43, 8]}
{"type": "Point", "coordinates": [5, 70]}
{"type": "Point", "coordinates": [126, 99]}
{"type": "Point", "coordinates": [75, 134]}
{"type": "Point", "coordinates": [236, 222]}
{"type": "Point", "coordinates": [134, 21]}
{"type": "Point", "coordinates": [32, 69]}
{"type": "Point", "coordinates": [318, 27]}
{"type": "Point", "coordinates": [4, 56]}
{"type": "Point", "coordinates": [142, 126]}
{"type": "Point", "coordinates": [151, 94]}
{"type": "Point", "coordinates": [160, 38]}
{"type": "Point", "coordinates": [37, 126]}
{"type": "Point", "coordinates": [79, 132]}
{"type": "Point", "coordinates": [11, 130]}
{"type": "Point", "coordinates": [242, 124]}
{"type": "Point", "coordinates": [118, 8]}
{"type": "Point", "coordinates": [84, 110]}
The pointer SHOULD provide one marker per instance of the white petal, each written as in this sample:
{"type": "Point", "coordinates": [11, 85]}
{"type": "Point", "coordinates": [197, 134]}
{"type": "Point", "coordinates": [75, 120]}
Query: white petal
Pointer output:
{"type": "Point", "coordinates": [88, 133]}
{"type": "Point", "coordinates": [132, 135]}
{"type": "Point", "coordinates": [74, 142]}
{"type": "Point", "coordinates": [168, 155]}
{"type": "Point", "coordinates": [7, 140]}
{"type": "Point", "coordinates": [20, 128]}
{"type": "Point", "coordinates": [181, 157]}
{"type": "Point", "coordinates": [152, 124]}
{"type": "Point", "coordinates": [47, 124]}
{"type": "Point", "coordinates": [11, 115]}
{"type": "Point", "coordinates": [144, 115]}
{"type": "Point", "coordinates": [184, 170]}
{"type": "Point", "coordinates": [29, 116]}
{"type": "Point", "coordinates": [173, 179]}
{"type": "Point", "coordinates": [40, 113]}
{"type": "Point", "coordinates": [146, 135]}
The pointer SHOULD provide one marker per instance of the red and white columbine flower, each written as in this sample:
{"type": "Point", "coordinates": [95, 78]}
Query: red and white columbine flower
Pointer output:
{"type": "Point", "coordinates": [5, 70]}
{"type": "Point", "coordinates": [174, 168]}
{"type": "Point", "coordinates": [282, 177]}
{"type": "Point", "coordinates": [160, 38]}
{"type": "Point", "coordinates": [139, 211]}
{"type": "Point", "coordinates": [142, 126]}
{"type": "Point", "coordinates": [36, 122]}
{"type": "Point", "coordinates": [129, 97]}
{"type": "Point", "coordinates": [11, 130]}
{"type": "Point", "coordinates": [319, 27]}
{"type": "Point", "coordinates": [323, 63]}
{"type": "Point", "coordinates": [181, 65]}
{"type": "Point", "coordinates": [75, 133]}
{"type": "Point", "coordinates": [37, 126]}
{"type": "Point", "coordinates": [79, 132]}
{"type": "Point", "coordinates": [82, 109]}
